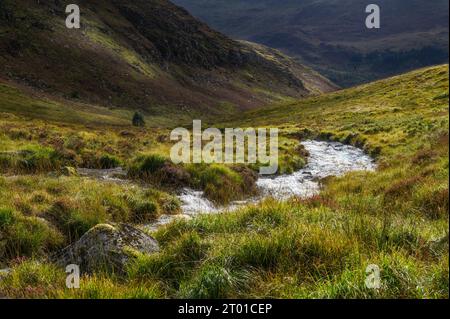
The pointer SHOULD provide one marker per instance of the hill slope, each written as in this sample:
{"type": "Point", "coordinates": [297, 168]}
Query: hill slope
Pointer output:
{"type": "Point", "coordinates": [331, 36]}
{"type": "Point", "coordinates": [141, 54]}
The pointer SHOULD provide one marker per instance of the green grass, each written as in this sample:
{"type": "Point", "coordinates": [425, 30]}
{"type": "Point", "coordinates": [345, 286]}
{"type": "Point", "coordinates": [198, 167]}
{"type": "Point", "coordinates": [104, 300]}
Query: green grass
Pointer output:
{"type": "Point", "coordinates": [37, 210]}
{"type": "Point", "coordinates": [388, 116]}
{"type": "Point", "coordinates": [24, 235]}
{"type": "Point", "coordinates": [396, 218]}
{"type": "Point", "coordinates": [13, 100]}
{"type": "Point", "coordinates": [36, 145]}
{"type": "Point", "coordinates": [320, 247]}
{"type": "Point", "coordinates": [222, 184]}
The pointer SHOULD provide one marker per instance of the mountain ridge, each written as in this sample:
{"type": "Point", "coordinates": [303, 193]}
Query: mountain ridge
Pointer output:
{"type": "Point", "coordinates": [147, 55]}
{"type": "Point", "coordinates": [331, 37]}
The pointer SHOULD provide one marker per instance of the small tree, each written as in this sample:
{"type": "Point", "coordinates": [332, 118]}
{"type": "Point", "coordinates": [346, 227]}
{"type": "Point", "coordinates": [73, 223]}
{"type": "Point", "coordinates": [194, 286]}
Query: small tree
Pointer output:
{"type": "Point", "coordinates": [138, 119]}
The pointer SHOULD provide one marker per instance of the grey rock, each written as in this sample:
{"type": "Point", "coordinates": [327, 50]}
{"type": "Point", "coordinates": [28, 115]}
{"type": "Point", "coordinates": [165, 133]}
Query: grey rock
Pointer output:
{"type": "Point", "coordinates": [440, 246]}
{"type": "Point", "coordinates": [4, 272]}
{"type": "Point", "coordinates": [107, 247]}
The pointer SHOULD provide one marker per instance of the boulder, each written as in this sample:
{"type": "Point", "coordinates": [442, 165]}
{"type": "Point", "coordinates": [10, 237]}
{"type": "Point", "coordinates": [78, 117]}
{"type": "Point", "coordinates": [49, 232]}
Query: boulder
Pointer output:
{"type": "Point", "coordinates": [107, 247]}
{"type": "Point", "coordinates": [440, 245]}
{"type": "Point", "coordinates": [4, 272]}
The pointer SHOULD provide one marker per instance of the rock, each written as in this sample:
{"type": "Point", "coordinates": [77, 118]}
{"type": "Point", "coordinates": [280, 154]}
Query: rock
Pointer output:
{"type": "Point", "coordinates": [4, 272]}
{"type": "Point", "coordinates": [127, 134]}
{"type": "Point", "coordinates": [107, 247]}
{"type": "Point", "coordinates": [68, 171]}
{"type": "Point", "coordinates": [440, 245]}
{"type": "Point", "coordinates": [163, 138]}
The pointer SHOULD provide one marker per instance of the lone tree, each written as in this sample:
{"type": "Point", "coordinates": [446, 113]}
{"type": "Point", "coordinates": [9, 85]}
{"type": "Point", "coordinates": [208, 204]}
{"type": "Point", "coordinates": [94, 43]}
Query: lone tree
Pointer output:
{"type": "Point", "coordinates": [138, 119]}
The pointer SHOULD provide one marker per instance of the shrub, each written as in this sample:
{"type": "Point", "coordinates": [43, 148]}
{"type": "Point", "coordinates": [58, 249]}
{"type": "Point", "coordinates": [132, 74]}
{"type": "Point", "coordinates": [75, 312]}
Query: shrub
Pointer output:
{"type": "Point", "coordinates": [147, 164]}
{"type": "Point", "coordinates": [145, 210]}
{"type": "Point", "coordinates": [108, 161]}
{"type": "Point", "coordinates": [138, 120]}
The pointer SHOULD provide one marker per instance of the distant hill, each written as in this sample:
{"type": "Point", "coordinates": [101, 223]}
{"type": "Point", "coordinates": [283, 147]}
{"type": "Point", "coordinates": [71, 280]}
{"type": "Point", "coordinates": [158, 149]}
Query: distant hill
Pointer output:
{"type": "Point", "coordinates": [331, 37]}
{"type": "Point", "coordinates": [143, 54]}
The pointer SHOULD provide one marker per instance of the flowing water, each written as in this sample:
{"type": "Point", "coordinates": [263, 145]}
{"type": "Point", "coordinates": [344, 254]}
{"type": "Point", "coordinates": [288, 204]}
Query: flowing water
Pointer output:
{"type": "Point", "coordinates": [114, 174]}
{"type": "Point", "coordinates": [325, 159]}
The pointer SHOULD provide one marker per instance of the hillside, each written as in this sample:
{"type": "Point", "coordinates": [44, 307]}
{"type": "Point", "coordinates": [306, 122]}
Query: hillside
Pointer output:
{"type": "Point", "coordinates": [331, 36]}
{"type": "Point", "coordinates": [319, 247]}
{"type": "Point", "coordinates": [147, 55]}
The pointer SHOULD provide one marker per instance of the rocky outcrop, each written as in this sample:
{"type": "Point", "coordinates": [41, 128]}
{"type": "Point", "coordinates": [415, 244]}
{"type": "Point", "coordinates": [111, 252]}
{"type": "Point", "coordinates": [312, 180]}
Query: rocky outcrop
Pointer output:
{"type": "Point", "coordinates": [107, 247]}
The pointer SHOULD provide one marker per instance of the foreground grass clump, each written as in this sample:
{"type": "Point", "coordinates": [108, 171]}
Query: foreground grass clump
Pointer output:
{"type": "Point", "coordinates": [32, 279]}
{"type": "Point", "coordinates": [300, 250]}
{"type": "Point", "coordinates": [221, 183]}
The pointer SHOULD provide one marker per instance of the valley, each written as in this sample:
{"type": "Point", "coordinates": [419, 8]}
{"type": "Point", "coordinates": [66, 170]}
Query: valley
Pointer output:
{"type": "Point", "coordinates": [87, 178]}
{"type": "Point", "coordinates": [396, 216]}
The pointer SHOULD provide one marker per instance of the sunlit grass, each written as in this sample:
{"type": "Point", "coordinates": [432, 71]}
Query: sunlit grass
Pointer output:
{"type": "Point", "coordinates": [395, 217]}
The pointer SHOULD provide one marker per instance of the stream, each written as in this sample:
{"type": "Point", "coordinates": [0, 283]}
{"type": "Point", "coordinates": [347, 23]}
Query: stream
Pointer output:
{"type": "Point", "coordinates": [325, 159]}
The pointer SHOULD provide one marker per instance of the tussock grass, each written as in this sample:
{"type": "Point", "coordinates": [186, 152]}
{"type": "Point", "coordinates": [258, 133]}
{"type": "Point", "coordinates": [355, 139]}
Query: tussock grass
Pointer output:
{"type": "Point", "coordinates": [26, 236]}
{"type": "Point", "coordinates": [70, 206]}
